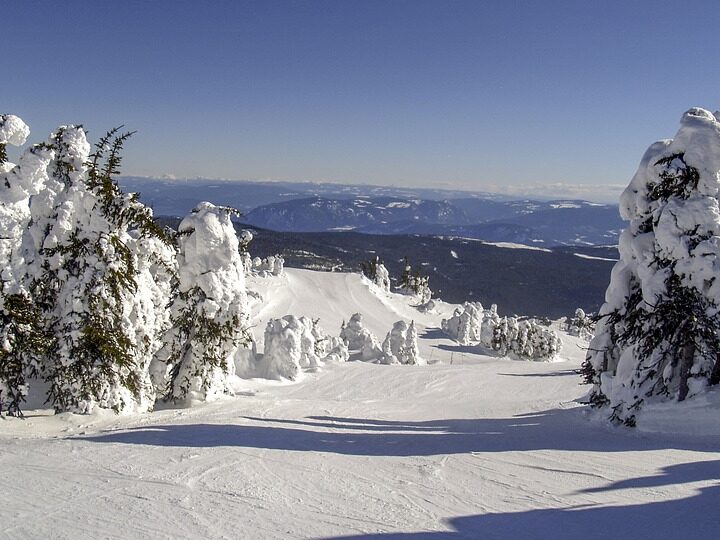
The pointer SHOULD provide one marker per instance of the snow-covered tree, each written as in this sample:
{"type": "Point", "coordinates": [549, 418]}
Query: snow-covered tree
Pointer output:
{"type": "Point", "coordinates": [400, 345]}
{"type": "Point", "coordinates": [209, 313]}
{"type": "Point", "coordinates": [23, 338]}
{"type": "Point", "coordinates": [524, 338]}
{"type": "Point", "coordinates": [272, 265]}
{"type": "Point", "coordinates": [415, 283]}
{"type": "Point", "coordinates": [580, 324]}
{"type": "Point", "coordinates": [376, 272]}
{"type": "Point", "coordinates": [411, 353]}
{"type": "Point", "coordinates": [359, 338]}
{"type": "Point", "coordinates": [657, 335]}
{"type": "Point", "coordinates": [80, 274]}
{"type": "Point", "coordinates": [283, 349]}
{"type": "Point", "coordinates": [465, 326]}
{"type": "Point", "coordinates": [296, 343]}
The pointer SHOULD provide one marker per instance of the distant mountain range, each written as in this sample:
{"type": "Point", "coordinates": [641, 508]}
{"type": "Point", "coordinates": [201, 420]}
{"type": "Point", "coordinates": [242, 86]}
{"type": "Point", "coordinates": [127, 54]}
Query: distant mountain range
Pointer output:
{"type": "Point", "coordinates": [546, 223]}
{"type": "Point", "coordinates": [310, 207]}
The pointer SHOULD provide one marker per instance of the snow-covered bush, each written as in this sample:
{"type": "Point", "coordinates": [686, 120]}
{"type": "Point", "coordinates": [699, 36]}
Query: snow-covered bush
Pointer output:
{"type": "Point", "coordinates": [376, 272]}
{"type": "Point", "coordinates": [359, 338]}
{"type": "Point", "coordinates": [400, 345]}
{"type": "Point", "coordinates": [523, 338]}
{"type": "Point", "coordinates": [209, 313]}
{"type": "Point", "coordinates": [657, 335]}
{"type": "Point", "coordinates": [580, 324]}
{"type": "Point", "coordinates": [272, 265]}
{"type": "Point", "coordinates": [296, 343]}
{"type": "Point", "coordinates": [465, 325]}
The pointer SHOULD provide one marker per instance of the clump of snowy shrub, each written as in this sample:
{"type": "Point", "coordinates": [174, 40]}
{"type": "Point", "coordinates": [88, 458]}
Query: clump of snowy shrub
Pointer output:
{"type": "Point", "coordinates": [524, 338]}
{"type": "Point", "coordinates": [465, 325]}
{"type": "Point", "coordinates": [658, 332]}
{"type": "Point", "coordinates": [359, 338]}
{"type": "Point", "coordinates": [209, 312]}
{"type": "Point", "coordinates": [376, 272]}
{"type": "Point", "coordinates": [400, 345]}
{"type": "Point", "coordinates": [272, 265]}
{"type": "Point", "coordinates": [580, 324]}
{"type": "Point", "coordinates": [296, 343]}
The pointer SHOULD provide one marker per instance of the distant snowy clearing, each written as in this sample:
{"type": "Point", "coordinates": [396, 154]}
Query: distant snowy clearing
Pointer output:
{"type": "Point", "coordinates": [470, 446]}
{"type": "Point", "coordinates": [511, 245]}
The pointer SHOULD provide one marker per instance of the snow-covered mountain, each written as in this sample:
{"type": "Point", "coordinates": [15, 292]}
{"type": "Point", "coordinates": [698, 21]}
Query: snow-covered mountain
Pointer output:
{"type": "Point", "coordinates": [321, 214]}
{"type": "Point", "coordinates": [306, 207]}
{"type": "Point", "coordinates": [529, 222]}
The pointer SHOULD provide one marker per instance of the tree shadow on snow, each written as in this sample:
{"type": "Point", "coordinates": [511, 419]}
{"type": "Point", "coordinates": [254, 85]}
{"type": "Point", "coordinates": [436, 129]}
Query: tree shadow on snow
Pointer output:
{"type": "Point", "coordinates": [559, 429]}
{"type": "Point", "coordinates": [693, 517]}
{"type": "Point", "coordinates": [551, 374]}
{"type": "Point", "coordinates": [433, 332]}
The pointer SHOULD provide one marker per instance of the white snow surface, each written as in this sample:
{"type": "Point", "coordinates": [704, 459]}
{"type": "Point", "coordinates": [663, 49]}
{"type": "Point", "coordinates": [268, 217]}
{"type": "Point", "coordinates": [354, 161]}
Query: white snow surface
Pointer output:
{"type": "Point", "coordinates": [468, 446]}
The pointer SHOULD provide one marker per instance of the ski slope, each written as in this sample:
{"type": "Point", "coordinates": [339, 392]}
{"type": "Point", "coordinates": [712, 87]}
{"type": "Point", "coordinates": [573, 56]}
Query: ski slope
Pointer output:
{"type": "Point", "coordinates": [470, 446]}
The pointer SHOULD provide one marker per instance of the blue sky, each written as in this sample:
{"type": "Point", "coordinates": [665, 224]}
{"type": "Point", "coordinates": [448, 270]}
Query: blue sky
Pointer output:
{"type": "Point", "coordinates": [510, 95]}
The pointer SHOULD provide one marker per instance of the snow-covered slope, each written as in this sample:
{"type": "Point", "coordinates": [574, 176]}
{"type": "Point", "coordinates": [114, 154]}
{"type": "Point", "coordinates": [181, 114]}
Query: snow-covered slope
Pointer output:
{"type": "Point", "coordinates": [469, 446]}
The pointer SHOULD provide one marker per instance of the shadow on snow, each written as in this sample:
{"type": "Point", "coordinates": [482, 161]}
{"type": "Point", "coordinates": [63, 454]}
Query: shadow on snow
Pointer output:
{"type": "Point", "coordinates": [693, 517]}
{"type": "Point", "coordinates": [558, 429]}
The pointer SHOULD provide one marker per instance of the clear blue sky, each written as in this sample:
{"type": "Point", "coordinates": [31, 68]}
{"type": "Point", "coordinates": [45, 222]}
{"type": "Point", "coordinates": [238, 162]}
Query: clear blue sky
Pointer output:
{"type": "Point", "coordinates": [414, 93]}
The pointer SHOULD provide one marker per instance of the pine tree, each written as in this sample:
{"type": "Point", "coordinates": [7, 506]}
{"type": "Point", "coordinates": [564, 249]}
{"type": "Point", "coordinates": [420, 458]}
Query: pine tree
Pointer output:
{"type": "Point", "coordinates": [657, 335]}
{"type": "Point", "coordinates": [82, 272]}
{"type": "Point", "coordinates": [209, 313]}
{"type": "Point", "coordinates": [23, 339]}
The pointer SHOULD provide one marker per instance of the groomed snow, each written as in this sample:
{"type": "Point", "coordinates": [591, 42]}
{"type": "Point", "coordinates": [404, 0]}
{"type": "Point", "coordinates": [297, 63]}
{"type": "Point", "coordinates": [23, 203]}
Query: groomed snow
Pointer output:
{"type": "Point", "coordinates": [469, 446]}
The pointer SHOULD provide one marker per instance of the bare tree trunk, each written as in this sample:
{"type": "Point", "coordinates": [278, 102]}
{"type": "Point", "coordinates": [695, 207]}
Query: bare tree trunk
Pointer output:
{"type": "Point", "coordinates": [688, 354]}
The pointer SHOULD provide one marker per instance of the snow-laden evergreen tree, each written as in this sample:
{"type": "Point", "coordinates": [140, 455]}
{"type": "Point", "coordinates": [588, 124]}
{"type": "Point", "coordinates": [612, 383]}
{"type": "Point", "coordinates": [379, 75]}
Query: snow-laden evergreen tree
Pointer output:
{"type": "Point", "coordinates": [657, 335]}
{"type": "Point", "coordinates": [415, 283]}
{"type": "Point", "coordinates": [283, 349]}
{"type": "Point", "coordinates": [400, 345]}
{"type": "Point", "coordinates": [359, 338]}
{"type": "Point", "coordinates": [209, 312]}
{"type": "Point", "coordinates": [581, 324]}
{"type": "Point", "coordinates": [293, 344]}
{"type": "Point", "coordinates": [411, 352]}
{"type": "Point", "coordinates": [465, 326]}
{"type": "Point", "coordinates": [17, 183]}
{"type": "Point", "coordinates": [82, 272]}
{"type": "Point", "coordinates": [376, 272]}
{"type": "Point", "coordinates": [23, 337]}
{"type": "Point", "coordinates": [273, 265]}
